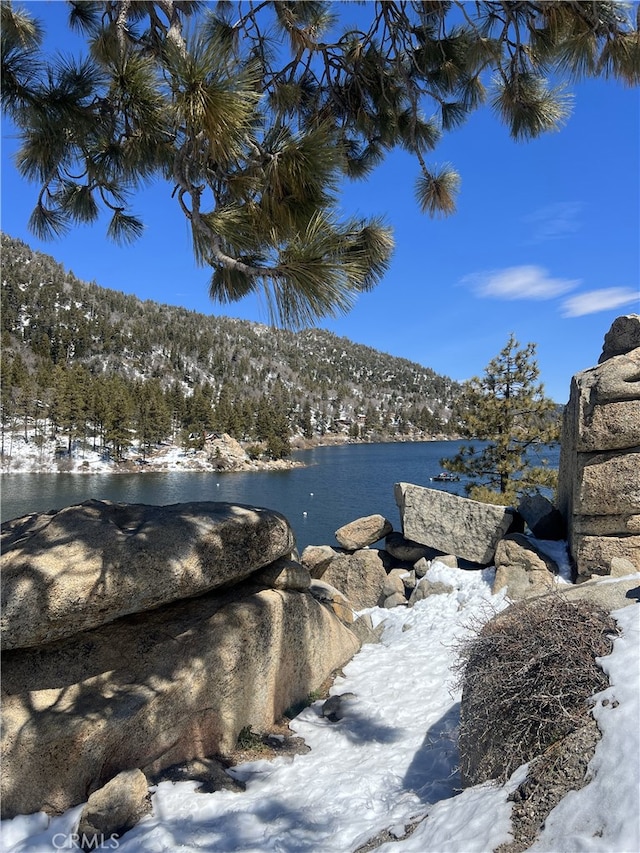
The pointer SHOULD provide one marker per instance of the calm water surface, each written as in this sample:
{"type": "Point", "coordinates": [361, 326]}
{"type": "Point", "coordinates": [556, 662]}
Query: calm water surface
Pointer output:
{"type": "Point", "coordinates": [337, 485]}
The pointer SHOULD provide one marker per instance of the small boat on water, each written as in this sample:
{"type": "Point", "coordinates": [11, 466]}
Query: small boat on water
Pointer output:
{"type": "Point", "coordinates": [445, 477]}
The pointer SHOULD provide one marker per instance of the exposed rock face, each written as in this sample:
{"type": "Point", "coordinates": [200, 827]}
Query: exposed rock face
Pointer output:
{"type": "Point", "coordinates": [116, 808]}
{"type": "Point", "coordinates": [155, 689]}
{"type": "Point", "coordinates": [337, 707]}
{"type": "Point", "coordinates": [209, 772]}
{"type": "Point", "coordinates": [363, 532]}
{"type": "Point", "coordinates": [394, 583]}
{"type": "Point", "coordinates": [185, 646]}
{"type": "Point", "coordinates": [364, 630]}
{"type": "Point", "coordinates": [334, 599]}
{"type": "Point", "coordinates": [406, 578]}
{"type": "Point", "coordinates": [622, 337]}
{"type": "Point", "coordinates": [396, 600]}
{"type": "Point", "coordinates": [284, 574]}
{"type": "Point", "coordinates": [360, 576]}
{"type": "Point", "coordinates": [449, 560]}
{"type": "Point", "coordinates": [90, 564]}
{"type": "Point", "coordinates": [454, 525]}
{"type": "Point", "coordinates": [227, 453]}
{"type": "Point", "coordinates": [522, 568]}
{"type": "Point", "coordinates": [428, 587]}
{"type": "Point", "coordinates": [607, 593]}
{"type": "Point", "coordinates": [317, 558]}
{"type": "Point", "coordinates": [421, 567]}
{"type": "Point", "coordinates": [599, 478]}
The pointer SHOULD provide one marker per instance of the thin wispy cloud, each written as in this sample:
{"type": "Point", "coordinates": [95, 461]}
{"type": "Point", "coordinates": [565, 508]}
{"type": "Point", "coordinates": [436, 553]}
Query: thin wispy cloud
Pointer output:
{"type": "Point", "coordinates": [555, 221]}
{"type": "Point", "coordinates": [594, 301]}
{"type": "Point", "coordinates": [525, 282]}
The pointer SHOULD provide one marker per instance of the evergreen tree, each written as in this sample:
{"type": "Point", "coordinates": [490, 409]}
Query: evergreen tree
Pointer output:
{"type": "Point", "coordinates": [278, 443]}
{"type": "Point", "coordinates": [226, 416]}
{"type": "Point", "coordinates": [26, 402]}
{"type": "Point", "coordinates": [506, 407]}
{"type": "Point", "coordinates": [305, 420]}
{"type": "Point", "coordinates": [70, 406]}
{"type": "Point", "coordinates": [118, 417]}
{"type": "Point", "coordinates": [6, 398]}
{"type": "Point", "coordinates": [264, 413]}
{"type": "Point", "coordinates": [153, 418]}
{"type": "Point", "coordinates": [177, 407]}
{"type": "Point", "coordinates": [98, 409]}
{"type": "Point", "coordinates": [244, 418]}
{"type": "Point", "coordinates": [199, 412]}
{"type": "Point", "coordinates": [371, 420]}
{"type": "Point", "coordinates": [256, 112]}
{"type": "Point", "coordinates": [272, 426]}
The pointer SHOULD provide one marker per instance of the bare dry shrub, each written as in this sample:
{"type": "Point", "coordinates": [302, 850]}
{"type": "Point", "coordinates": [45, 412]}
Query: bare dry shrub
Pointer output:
{"type": "Point", "coordinates": [526, 682]}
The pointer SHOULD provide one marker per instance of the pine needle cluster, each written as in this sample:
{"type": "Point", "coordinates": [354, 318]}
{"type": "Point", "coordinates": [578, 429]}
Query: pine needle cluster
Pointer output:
{"type": "Point", "coordinates": [255, 114]}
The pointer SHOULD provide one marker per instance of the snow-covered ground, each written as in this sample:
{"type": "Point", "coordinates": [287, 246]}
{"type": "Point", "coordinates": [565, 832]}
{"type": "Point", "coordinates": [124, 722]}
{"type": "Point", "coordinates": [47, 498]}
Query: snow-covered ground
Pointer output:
{"type": "Point", "coordinates": [392, 760]}
{"type": "Point", "coordinates": [50, 457]}
{"type": "Point", "coordinates": [27, 456]}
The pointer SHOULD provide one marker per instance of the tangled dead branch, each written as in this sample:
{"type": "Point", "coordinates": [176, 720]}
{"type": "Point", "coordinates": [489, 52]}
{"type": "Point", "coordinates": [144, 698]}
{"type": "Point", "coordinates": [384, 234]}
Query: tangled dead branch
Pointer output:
{"type": "Point", "coordinates": [527, 679]}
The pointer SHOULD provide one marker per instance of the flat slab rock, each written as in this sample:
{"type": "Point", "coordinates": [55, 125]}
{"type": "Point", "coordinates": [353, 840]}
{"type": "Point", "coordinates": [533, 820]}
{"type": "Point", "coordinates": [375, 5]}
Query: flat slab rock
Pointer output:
{"type": "Point", "coordinates": [452, 524]}
{"type": "Point", "coordinates": [87, 565]}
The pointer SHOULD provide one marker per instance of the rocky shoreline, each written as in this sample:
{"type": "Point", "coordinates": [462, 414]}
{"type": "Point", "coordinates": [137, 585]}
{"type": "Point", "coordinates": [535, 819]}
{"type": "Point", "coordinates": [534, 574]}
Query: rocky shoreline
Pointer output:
{"type": "Point", "coordinates": [220, 455]}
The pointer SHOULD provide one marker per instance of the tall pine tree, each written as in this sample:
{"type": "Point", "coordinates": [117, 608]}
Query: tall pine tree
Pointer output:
{"type": "Point", "coordinates": [507, 408]}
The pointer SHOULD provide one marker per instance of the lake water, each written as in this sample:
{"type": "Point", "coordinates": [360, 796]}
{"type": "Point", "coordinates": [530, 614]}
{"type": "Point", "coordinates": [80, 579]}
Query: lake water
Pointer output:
{"type": "Point", "coordinates": [337, 485]}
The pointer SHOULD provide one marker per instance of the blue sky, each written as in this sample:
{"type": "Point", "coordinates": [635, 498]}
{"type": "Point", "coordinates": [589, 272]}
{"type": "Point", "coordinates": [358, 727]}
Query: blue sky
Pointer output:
{"type": "Point", "coordinates": [545, 243]}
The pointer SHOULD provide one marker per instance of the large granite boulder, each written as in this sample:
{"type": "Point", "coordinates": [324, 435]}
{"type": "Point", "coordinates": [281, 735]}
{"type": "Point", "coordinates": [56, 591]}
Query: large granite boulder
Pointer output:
{"type": "Point", "coordinates": [361, 576]}
{"type": "Point", "coordinates": [454, 525]}
{"type": "Point", "coordinates": [622, 337]}
{"type": "Point", "coordinates": [317, 559]}
{"type": "Point", "coordinates": [523, 568]}
{"type": "Point", "coordinates": [284, 574]}
{"type": "Point", "coordinates": [363, 532]}
{"type": "Point", "coordinates": [67, 571]}
{"type": "Point", "coordinates": [599, 477]}
{"type": "Point", "coordinates": [609, 593]}
{"type": "Point", "coordinates": [156, 689]}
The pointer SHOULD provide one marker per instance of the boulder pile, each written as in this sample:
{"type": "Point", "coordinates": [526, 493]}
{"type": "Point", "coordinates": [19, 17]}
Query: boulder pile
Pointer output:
{"type": "Point", "coordinates": [443, 528]}
{"type": "Point", "coordinates": [140, 637]}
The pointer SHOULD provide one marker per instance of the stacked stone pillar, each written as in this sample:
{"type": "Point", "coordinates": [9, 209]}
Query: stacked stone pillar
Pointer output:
{"type": "Point", "coordinates": [599, 480]}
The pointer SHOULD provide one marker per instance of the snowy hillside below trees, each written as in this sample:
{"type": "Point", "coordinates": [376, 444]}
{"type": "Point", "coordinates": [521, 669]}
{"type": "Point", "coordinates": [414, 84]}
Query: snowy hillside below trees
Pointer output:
{"type": "Point", "coordinates": [105, 369]}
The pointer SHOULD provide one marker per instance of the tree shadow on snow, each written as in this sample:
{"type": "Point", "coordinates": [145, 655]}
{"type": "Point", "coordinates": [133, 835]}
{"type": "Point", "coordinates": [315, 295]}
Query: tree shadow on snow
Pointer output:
{"type": "Point", "coordinates": [270, 825]}
{"type": "Point", "coordinates": [359, 728]}
{"type": "Point", "coordinates": [434, 772]}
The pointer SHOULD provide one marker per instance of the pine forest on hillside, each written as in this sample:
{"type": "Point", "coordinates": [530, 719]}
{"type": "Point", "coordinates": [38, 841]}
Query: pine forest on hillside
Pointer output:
{"type": "Point", "coordinates": [97, 367]}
